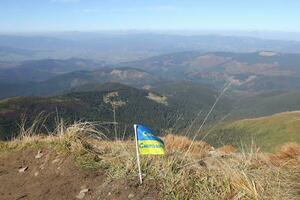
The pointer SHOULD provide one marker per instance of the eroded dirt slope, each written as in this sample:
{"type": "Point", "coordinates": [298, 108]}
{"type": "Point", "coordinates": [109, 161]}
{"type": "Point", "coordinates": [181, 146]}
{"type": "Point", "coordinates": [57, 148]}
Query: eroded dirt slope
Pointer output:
{"type": "Point", "coordinates": [46, 174]}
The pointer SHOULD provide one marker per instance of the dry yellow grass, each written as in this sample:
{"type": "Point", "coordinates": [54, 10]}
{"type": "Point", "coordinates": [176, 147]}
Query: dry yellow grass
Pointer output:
{"type": "Point", "coordinates": [227, 149]}
{"type": "Point", "coordinates": [287, 154]}
{"type": "Point", "coordinates": [181, 144]}
{"type": "Point", "coordinates": [198, 175]}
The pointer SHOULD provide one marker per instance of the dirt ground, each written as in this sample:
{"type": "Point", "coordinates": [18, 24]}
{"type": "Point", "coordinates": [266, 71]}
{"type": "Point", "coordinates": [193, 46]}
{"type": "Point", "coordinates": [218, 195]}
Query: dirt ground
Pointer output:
{"type": "Point", "coordinates": [46, 175]}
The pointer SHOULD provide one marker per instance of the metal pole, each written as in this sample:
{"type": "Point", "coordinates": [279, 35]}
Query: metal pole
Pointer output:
{"type": "Point", "coordinates": [137, 154]}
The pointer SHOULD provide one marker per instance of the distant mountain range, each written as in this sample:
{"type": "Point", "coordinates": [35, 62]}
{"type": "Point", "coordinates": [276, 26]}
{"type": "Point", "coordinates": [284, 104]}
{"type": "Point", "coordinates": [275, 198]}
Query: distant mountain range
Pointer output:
{"type": "Point", "coordinates": [114, 48]}
{"type": "Point", "coordinates": [256, 72]}
{"type": "Point", "coordinates": [247, 72]}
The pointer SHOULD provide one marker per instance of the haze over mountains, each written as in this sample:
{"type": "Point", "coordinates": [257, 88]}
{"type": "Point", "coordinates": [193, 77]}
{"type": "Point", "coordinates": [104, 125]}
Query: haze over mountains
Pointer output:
{"type": "Point", "coordinates": [125, 47]}
{"type": "Point", "coordinates": [41, 70]}
{"type": "Point", "coordinates": [166, 81]}
{"type": "Point", "coordinates": [247, 72]}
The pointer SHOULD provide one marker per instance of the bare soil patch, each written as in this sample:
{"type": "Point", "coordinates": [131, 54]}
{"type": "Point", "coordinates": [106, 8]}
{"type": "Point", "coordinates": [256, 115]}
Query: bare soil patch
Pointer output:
{"type": "Point", "coordinates": [51, 175]}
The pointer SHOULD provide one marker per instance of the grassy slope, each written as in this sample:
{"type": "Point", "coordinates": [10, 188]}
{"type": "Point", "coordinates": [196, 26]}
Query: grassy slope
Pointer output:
{"type": "Point", "coordinates": [266, 132]}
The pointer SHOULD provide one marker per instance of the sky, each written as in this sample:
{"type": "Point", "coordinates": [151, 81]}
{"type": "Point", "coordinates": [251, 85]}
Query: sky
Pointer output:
{"type": "Point", "coordinates": [95, 15]}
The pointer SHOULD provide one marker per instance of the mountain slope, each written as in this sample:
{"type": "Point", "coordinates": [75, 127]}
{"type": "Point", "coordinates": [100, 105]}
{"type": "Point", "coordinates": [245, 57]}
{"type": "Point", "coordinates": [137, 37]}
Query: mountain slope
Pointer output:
{"type": "Point", "coordinates": [69, 81]}
{"type": "Point", "coordinates": [194, 100]}
{"type": "Point", "coordinates": [134, 106]}
{"type": "Point", "coordinates": [172, 105]}
{"type": "Point", "coordinates": [266, 132]}
{"type": "Point", "coordinates": [266, 104]}
{"type": "Point", "coordinates": [41, 70]}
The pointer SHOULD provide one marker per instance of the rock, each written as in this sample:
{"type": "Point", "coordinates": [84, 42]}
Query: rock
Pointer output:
{"type": "Point", "coordinates": [36, 173]}
{"type": "Point", "coordinates": [84, 190]}
{"type": "Point", "coordinates": [23, 169]}
{"type": "Point", "coordinates": [82, 193]}
{"type": "Point", "coordinates": [39, 155]}
{"type": "Point", "coordinates": [130, 196]}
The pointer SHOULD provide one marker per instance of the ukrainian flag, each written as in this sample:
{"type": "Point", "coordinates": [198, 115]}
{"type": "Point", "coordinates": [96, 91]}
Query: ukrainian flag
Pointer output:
{"type": "Point", "coordinates": [147, 142]}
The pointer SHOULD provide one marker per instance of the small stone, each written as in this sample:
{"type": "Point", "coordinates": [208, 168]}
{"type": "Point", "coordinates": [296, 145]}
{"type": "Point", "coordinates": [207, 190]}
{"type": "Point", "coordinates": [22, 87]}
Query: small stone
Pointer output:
{"type": "Point", "coordinates": [82, 193]}
{"type": "Point", "coordinates": [23, 169]}
{"type": "Point", "coordinates": [36, 173]}
{"type": "Point", "coordinates": [39, 154]}
{"type": "Point", "coordinates": [84, 190]}
{"type": "Point", "coordinates": [109, 194]}
{"type": "Point", "coordinates": [130, 196]}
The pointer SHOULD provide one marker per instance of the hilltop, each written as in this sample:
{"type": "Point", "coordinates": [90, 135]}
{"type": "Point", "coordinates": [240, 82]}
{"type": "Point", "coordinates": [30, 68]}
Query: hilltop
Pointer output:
{"type": "Point", "coordinates": [77, 162]}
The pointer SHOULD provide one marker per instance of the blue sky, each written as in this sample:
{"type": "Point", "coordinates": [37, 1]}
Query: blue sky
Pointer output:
{"type": "Point", "coordinates": [91, 15]}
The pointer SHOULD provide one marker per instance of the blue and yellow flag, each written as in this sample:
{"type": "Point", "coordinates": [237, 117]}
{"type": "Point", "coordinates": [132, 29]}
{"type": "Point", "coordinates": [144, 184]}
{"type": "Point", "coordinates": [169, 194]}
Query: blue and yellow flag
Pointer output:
{"type": "Point", "coordinates": [147, 142]}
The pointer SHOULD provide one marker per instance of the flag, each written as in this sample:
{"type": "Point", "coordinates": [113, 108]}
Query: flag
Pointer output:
{"type": "Point", "coordinates": [147, 142]}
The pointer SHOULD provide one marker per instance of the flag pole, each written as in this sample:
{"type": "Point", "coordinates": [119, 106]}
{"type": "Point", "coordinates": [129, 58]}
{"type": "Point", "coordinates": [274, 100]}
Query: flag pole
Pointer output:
{"type": "Point", "coordinates": [137, 154]}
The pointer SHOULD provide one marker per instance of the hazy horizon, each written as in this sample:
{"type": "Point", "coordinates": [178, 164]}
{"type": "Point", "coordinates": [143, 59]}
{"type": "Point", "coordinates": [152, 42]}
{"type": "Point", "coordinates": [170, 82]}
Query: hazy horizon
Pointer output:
{"type": "Point", "coordinates": [269, 35]}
